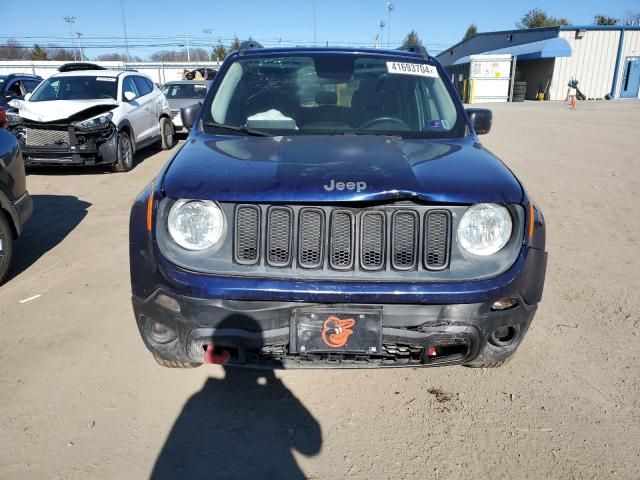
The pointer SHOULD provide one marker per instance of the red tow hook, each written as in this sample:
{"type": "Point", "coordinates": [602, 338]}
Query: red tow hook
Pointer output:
{"type": "Point", "coordinates": [210, 355]}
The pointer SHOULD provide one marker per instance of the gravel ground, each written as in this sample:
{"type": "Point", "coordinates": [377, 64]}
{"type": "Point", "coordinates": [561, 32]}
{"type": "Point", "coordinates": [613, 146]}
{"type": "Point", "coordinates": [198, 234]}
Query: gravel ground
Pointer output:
{"type": "Point", "coordinates": [80, 397]}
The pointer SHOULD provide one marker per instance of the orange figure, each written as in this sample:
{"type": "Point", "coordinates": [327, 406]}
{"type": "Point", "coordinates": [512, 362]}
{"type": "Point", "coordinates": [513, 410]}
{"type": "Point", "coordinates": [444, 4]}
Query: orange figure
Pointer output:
{"type": "Point", "coordinates": [336, 332]}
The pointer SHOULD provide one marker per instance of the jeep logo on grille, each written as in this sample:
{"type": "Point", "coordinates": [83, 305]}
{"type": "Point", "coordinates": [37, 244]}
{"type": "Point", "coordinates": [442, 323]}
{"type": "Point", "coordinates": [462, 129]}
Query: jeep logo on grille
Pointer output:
{"type": "Point", "coordinates": [357, 186]}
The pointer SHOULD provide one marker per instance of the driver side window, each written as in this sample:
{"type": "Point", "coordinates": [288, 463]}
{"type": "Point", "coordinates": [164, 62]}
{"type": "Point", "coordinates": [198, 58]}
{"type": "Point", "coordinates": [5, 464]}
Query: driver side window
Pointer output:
{"type": "Point", "coordinates": [15, 90]}
{"type": "Point", "coordinates": [50, 91]}
{"type": "Point", "coordinates": [128, 85]}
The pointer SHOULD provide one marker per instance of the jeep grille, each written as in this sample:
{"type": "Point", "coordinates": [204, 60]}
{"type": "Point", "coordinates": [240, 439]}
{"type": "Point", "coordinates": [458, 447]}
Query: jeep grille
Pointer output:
{"type": "Point", "coordinates": [342, 239]}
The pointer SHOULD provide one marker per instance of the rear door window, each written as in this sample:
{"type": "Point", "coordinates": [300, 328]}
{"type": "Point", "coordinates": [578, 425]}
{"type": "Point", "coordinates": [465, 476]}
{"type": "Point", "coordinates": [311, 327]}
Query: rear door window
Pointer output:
{"type": "Point", "coordinates": [30, 85]}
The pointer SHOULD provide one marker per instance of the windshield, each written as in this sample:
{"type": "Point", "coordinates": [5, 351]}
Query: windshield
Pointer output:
{"type": "Point", "coordinates": [76, 88]}
{"type": "Point", "coordinates": [185, 90]}
{"type": "Point", "coordinates": [336, 93]}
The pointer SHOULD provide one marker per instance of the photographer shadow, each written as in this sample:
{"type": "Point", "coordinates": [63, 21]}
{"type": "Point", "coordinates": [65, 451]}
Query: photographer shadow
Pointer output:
{"type": "Point", "coordinates": [244, 426]}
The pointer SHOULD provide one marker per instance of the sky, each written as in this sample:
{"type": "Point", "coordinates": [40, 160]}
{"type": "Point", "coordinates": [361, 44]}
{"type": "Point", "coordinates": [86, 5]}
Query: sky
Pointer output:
{"type": "Point", "coordinates": [338, 22]}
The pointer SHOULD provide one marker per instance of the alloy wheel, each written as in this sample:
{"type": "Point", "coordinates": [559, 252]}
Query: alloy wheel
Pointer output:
{"type": "Point", "coordinates": [125, 151]}
{"type": "Point", "coordinates": [168, 133]}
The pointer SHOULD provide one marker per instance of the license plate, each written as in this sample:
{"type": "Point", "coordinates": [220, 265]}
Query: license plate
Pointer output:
{"type": "Point", "coordinates": [334, 330]}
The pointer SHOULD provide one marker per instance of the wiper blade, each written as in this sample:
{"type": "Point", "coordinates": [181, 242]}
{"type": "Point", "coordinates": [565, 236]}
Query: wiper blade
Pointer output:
{"type": "Point", "coordinates": [236, 128]}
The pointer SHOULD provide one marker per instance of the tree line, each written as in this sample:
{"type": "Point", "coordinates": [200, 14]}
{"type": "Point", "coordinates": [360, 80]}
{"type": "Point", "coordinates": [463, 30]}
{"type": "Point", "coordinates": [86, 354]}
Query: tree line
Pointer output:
{"type": "Point", "coordinates": [537, 18]}
{"type": "Point", "coordinates": [12, 49]}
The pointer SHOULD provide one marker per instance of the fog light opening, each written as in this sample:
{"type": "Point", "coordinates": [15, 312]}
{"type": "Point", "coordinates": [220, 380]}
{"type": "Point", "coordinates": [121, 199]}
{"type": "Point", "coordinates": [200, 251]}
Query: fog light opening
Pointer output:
{"type": "Point", "coordinates": [503, 336]}
{"type": "Point", "coordinates": [160, 333]}
{"type": "Point", "coordinates": [504, 304]}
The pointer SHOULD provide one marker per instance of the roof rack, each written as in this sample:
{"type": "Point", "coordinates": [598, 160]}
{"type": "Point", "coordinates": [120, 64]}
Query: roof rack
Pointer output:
{"type": "Point", "coordinates": [415, 48]}
{"type": "Point", "coordinates": [79, 66]}
{"type": "Point", "coordinates": [248, 44]}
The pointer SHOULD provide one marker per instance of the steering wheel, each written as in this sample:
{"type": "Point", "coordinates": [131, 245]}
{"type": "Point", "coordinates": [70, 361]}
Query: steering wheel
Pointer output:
{"type": "Point", "coordinates": [370, 123]}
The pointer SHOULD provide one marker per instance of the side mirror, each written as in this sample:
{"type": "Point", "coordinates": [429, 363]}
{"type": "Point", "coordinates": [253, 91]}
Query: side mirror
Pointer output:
{"type": "Point", "coordinates": [129, 96]}
{"type": "Point", "coordinates": [27, 96]}
{"type": "Point", "coordinates": [188, 114]}
{"type": "Point", "coordinates": [481, 120]}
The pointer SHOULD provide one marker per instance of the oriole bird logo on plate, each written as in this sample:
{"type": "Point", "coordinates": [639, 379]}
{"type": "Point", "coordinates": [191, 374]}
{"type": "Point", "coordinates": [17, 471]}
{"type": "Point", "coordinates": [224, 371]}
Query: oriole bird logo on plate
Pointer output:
{"type": "Point", "coordinates": [336, 331]}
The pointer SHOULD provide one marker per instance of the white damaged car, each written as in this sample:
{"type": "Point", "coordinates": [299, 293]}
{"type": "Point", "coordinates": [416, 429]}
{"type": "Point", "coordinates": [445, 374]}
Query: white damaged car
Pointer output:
{"type": "Point", "coordinates": [87, 115]}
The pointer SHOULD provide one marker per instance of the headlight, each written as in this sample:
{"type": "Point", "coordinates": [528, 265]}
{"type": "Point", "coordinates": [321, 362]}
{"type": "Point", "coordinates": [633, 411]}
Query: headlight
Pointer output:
{"type": "Point", "coordinates": [13, 119]}
{"type": "Point", "coordinates": [484, 229]}
{"type": "Point", "coordinates": [95, 123]}
{"type": "Point", "coordinates": [195, 224]}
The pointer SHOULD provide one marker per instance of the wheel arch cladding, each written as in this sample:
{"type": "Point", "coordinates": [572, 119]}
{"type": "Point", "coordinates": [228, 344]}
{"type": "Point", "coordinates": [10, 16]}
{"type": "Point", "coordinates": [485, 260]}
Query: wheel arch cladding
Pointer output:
{"type": "Point", "coordinates": [141, 255]}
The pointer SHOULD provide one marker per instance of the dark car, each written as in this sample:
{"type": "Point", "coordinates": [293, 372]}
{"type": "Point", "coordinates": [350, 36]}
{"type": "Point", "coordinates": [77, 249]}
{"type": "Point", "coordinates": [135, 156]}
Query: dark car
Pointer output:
{"type": "Point", "coordinates": [15, 203]}
{"type": "Point", "coordinates": [334, 208]}
{"type": "Point", "coordinates": [15, 86]}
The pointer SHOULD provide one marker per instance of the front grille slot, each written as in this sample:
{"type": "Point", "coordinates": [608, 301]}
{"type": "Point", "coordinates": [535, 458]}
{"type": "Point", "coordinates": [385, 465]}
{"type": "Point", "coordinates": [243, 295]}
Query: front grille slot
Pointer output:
{"type": "Point", "coordinates": [310, 237]}
{"type": "Point", "coordinates": [279, 227]}
{"type": "Point", "coordinates": [37, 137]}
{"type": "Point", "coordinates": [404, 239]}
{"type": "Point", "coordinates": [436, 239]}
{"type": "Point", "coordinates": [246, 241]}
{"type": "Point", "coordinates": [341, 240]}
{"type": "Point", "coordinates": [372, 240]}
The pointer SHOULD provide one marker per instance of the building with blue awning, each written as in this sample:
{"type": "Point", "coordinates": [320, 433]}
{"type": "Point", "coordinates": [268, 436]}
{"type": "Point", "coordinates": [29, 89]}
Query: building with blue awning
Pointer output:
{"type": "Point", "coordinates": [605, 60]}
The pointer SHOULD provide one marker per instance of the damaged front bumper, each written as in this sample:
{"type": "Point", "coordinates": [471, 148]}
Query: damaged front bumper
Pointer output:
{"type": "Point", "coordinates": [264, 334]}
{"type": "Point", "coordinates": [64, 144]}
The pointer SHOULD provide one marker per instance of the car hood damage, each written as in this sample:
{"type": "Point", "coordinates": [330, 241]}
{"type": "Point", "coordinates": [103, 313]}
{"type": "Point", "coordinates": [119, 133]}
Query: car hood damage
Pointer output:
{"type": "Point", "coordinates": [63, 110]}
{"type": "Point", "coordinates": [339, 169]}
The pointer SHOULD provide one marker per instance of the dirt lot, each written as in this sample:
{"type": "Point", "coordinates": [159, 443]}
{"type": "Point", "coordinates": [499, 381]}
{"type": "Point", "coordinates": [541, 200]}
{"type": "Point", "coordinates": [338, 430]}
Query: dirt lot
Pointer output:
{"type": "Point", "coordinates": [80, 397]}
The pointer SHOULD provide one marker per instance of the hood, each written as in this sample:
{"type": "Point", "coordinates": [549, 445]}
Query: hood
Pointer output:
{"type": "Point", "coordinates": [55, 110]}
{"type": "Point", "coordinates": [333, 169]}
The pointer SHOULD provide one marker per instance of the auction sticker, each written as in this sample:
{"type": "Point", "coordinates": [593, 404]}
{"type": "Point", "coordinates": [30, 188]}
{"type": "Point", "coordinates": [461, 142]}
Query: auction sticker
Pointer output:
{"type": "Point", "coordinates": [105, 79]}
{"type": "Point", "coordinates": [420, 69]}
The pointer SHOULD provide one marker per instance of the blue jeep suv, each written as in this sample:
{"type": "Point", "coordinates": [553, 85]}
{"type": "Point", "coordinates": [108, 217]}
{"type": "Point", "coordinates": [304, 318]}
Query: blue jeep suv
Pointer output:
{"type": "Point", "coordinates": [334, 208]}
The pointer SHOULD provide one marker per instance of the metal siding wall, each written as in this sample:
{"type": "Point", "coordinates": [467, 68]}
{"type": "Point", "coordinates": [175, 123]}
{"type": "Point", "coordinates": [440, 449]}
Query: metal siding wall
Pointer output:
{"type": "Point", "coordinates": [592, 63]}
{"type": "Point", "coordinates": [631, 48]}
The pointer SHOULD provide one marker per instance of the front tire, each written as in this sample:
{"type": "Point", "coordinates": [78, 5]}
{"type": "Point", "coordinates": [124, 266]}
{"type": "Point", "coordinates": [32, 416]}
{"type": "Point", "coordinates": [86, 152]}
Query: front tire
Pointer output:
{"type": "Point", "coordinates": [6, 246]}
{"type": "Point", "coordinates": [166, 133]}
{"type": "Point", "coordinates": [124, 161]}
{"type": "Point", "coordinates": [175, 363]}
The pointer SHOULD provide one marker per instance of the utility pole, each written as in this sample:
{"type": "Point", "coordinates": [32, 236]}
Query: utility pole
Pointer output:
{"type": "Point", "coordinates": [186, 38]}
{"type": "Point", "coordinates": [71, 21]}
{"type": "Point", "coordinates": [80, 47]}
{"type": "Point", "coordinates": [208, 31]}
{"type": "Point", "coordinates": [124, 28]}
{"type": "Point", "coordinates": [381, 25]}
{"type": "Point", "coordinates": [314, 23]}
{"type": "Point", "coordinates": [389, 8]}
